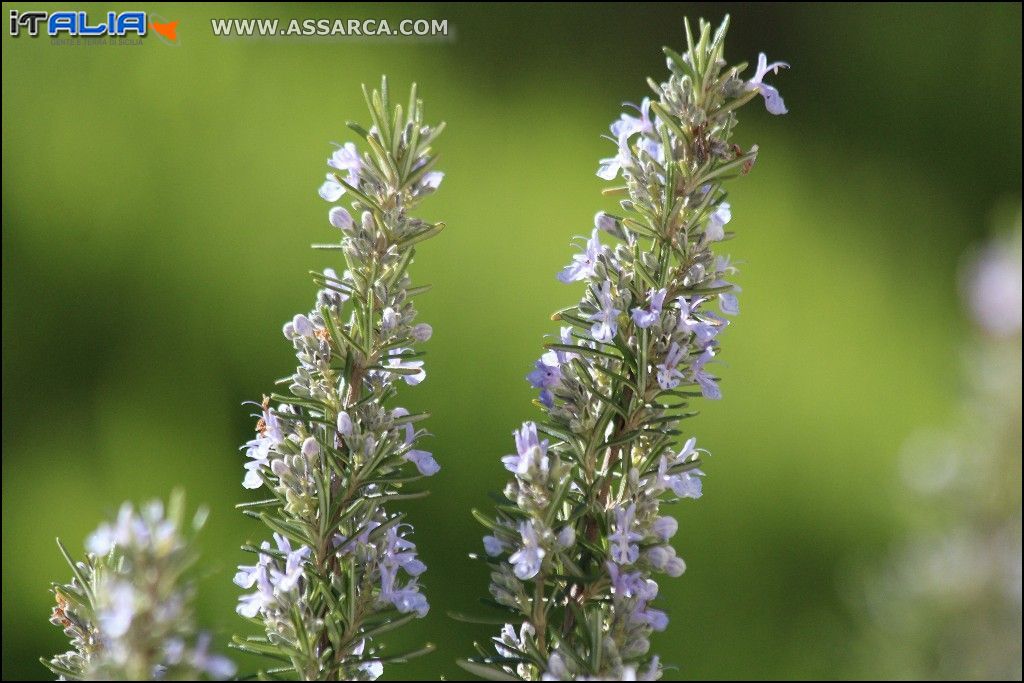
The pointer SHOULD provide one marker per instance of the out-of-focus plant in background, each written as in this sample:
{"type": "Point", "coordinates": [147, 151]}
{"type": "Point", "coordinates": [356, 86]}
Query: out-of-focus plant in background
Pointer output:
{"type": "Point", "coordinates": [156, 205]}
{"type": "Point", "coordinates": [947, 603]}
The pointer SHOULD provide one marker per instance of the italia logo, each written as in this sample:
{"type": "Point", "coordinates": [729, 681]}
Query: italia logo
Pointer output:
{"type": "Point", "coordinates": [81, 25]}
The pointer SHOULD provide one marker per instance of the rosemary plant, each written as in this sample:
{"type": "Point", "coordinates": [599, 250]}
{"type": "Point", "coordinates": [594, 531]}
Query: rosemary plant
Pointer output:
{"type": "Point", "coordinates": [128, 609]}
{"type": "Point", "coordinates": [578, 532]}
{"type": "Point", "coordinates": [332, 450]}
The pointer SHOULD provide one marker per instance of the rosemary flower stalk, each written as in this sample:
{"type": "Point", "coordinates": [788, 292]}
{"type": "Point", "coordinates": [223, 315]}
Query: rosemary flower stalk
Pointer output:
{"type": "Point", "coordinates": [128, 609]}
{"type": "Point", "coordinates": [575, 543]}
{"type": "Point", "coordinates": [333, 451]}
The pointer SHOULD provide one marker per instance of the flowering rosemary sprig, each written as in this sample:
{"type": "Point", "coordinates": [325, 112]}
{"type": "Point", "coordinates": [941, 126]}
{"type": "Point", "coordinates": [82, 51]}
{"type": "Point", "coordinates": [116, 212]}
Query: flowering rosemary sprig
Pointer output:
{"type": "Point", "coordinates": [333, 451]}
{"type": "Point", "coordinates": [128, 609]}
{"type": "Point", "coordinates": [574, 544]}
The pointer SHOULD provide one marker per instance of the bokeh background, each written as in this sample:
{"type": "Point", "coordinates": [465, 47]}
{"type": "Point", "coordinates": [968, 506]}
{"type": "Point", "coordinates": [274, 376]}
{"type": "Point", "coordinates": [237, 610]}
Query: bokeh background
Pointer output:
{"type": "Point", "coordinates": [158, 204]}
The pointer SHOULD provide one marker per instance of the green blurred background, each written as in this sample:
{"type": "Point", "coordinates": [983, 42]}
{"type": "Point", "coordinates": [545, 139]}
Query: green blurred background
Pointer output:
{"type": "Point", "coordinates": [158, 204]}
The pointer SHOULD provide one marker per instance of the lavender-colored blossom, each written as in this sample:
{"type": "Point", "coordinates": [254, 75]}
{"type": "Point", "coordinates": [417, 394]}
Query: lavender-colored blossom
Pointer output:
{"type": "Point", "coordinates": [398, 363]}
{"type": "Point", "coordinates": [772, 99]}
{"type": "Point", "coordinates": [431, 180]}
{"type": "Point", "coordinates": [424, 461]}
{"type": "Point", "coordinates": [715, 229]}
{"type": "Point", "coordinates": [331, 190]}
{"type": "Point", "coordinates": [669, 376]}
{"type": "Point", "coordinates": [606, 319]}
{"type": "Point", "coordinates": [702, 330]}
{"type": "Point", "coordinates": [708, 385]}
{"type": "Point", "coordinates": [665, 527]}
{"type": "Point", "coordinates": [623, 540]}
{"type": "Point", "coordinates": [546, 375]}
{"type": "Point", "coordinates": [583, 264]}
{"type": "Point", "coordinates": [422, 332]}
{"type": "Point", "coordinates": [531, 451]}
{"type": "Point", "coordinates": [527, 560]}
{"type": "Point", "coordinates": [628, 125]}
{"type": "Point", "coordinates": [340, 218]}
{"type": "Point", "coordinates": [493, 546]}
{"type": "Point", "coordinates": [344, 423]}
{"type": "Point", "coordinates": [611, 167]}
{"type": "Point", "coordinates": [347, 158]}
{"type": "Point", "coordinates": [729, 304]}
{"type": "Point", "coordinates": [644, 318]}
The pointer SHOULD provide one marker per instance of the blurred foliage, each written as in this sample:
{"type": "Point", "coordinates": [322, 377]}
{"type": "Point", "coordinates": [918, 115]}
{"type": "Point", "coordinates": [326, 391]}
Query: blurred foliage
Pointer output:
{"type": "Point", "coordinates": [158, 203]}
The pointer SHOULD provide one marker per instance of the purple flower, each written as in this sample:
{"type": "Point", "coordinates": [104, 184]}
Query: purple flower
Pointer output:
{"type": "Point", "coordinates": [331, 190]}
{"type": "Point", "coordinates": [346, 158]}
{"type": "Point", "coordinates": [623, 540]}
{"type": "Point", "coordinates": [546, 375]}
{"type": "Point", "coordinates": [288, 580]}
{"type": "Point", "coordinates": [628, 125]}
{"type": "Point", "coordinates": [644, 318]}
{"type": "Point", "coordinates": [424, 461]}
{"type": "Point", "coordinates": [606, 319]}
{"type": "Point", "coordinates": [665, 527]}
{"type": "Point", "coordinates": [258, 449]}
{"type": "Point", "coordinates": [729, 304]}
{"type": "Point", "coordinates": [340, 217]}
{"type": "Point", "coordinates": [583, 264]}
{"type": "Point", "coordinates": [422, 332]}
{"type": "Point", "coordinates": [703, 331]}
{"type": "Point", "coordinates": [493, 546]}
{"type": "Point", "coordinates": [708, 386]}
{"type": "Point", "coordinates": [527, 560]}
{"type": "Point", "coordinates": [772, 99]}
{"type": "Point", "coordinates": [715, 230]}
{"type": "Point", "coordinates": [431, 181]}
{"type": "Point", "coordinates": [404, 364]}
{"type": "Point", "coordinates": [669, 374]}
{"type": "Point", "coordinates": [611, 166]}
{"type": "Point", "coordinates": [531, 452]}
{"type": "Point", "coordinates": [345, 426]}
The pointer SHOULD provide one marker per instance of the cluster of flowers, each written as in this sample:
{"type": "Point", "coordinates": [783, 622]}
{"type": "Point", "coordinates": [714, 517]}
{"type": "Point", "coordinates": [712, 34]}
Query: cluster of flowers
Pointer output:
{"type": "Point", "coordinates": [128, 609]}
{"type": "Point", "coordinates": [330, 451]}
{"type": "Point", "coordinates": [582, 523]}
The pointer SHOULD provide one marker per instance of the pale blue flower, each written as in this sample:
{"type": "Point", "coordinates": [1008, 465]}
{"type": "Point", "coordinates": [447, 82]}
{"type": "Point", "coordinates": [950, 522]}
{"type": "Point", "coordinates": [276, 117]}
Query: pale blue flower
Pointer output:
{"type": "Point", "coordinates": [424, 461]}
{"type": "Point", "coordinates": [530, 449]}
{"type": "Point", "coordinates": [623, 541]}
{"type": "Point", "coordinates": [346, 158]}
{"type": "Point", "coordinates": [310, 448]}
{"type": "Point", "coordinates": [406, 364]}
{"type": "Point", "coordinates": [715, 230]}
{"type": "Point", "coordinates": [431, 180]}
{"type": "Point", "coordinates": [644, 318]}
{"type": "Point", "coordinates": [628, 125]}
{"type": "Point", "coordinates": [527, 560]}
{"type": "Point", "coordinates": [546, 375]}
{"type": "Point", "coordinates": [582, 266]}
{"type": "Point", "coordinates": [665, 527]}
{"type": "Point", "coordinates": [708, 386]}
{"type": "Point", "coordinates": [606, 319]}
{"type": "Point", "coordinates": [288, 579]}
{"type": "Point", "coordinates": [331, 190]}
{"type": "Point", "coordinates": [493, 546]}
{"type": "Point", "coordinates": [611, 166]}
{"type": "Point", "coordinates": [422, 332]}
{"type": "Point", "coordinates": [669, 376]}
{"type": "Point", "coordinates": [728, 303]}
{"type": "Point", "coordinates": [340, 218]}
{"type": "Point", "coordinates": [772, 99]}
{"type": "Point", "coordinates": [345, 426]}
